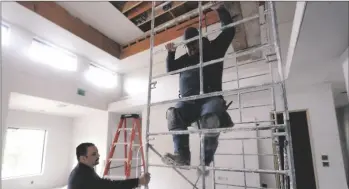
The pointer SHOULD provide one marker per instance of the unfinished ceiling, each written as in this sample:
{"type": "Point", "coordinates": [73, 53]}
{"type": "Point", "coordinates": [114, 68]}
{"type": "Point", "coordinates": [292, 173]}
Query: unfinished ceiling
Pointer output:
{"type": "Point", "coordinates": [121, 28]}
{"type": "Point", "coordinates": [139, 13]}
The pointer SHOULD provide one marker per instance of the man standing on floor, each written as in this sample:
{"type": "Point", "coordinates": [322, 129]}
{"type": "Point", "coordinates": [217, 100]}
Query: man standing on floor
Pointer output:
{"type": "Point", "coordinates": [211, 111]}
{"type": "Point", "coordinates": [84, 176]}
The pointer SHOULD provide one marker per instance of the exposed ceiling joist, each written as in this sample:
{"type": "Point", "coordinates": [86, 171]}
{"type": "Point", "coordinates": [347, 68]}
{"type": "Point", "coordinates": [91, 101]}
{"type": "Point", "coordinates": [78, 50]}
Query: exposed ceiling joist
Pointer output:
{"type": "Point", "coordinates": [239, 42]}
{"type": "Point", "coordinates": [130, 5]}
{"type": "Point", "coordinates": [145, 6]}
{"type": "Point", "coordinates": [159, 12]}
{"type": "Point", "coordinates": [58, 15]}
{"type": "Point", "coordinates": [168, 35]}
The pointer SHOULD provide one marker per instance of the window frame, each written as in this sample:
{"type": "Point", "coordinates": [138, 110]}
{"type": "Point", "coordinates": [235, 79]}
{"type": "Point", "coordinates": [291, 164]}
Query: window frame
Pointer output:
{"type": "Point", "coordinates": [107, 71]}
{"type": "Point", "coordinates": [55, 48]}
{"type": "Point", "coordinates": [43, 155]}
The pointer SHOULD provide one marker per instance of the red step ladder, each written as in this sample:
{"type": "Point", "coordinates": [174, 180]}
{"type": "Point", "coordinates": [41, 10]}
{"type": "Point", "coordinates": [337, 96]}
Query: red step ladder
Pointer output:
{"type": "Point", "coordinates": [128, 146]}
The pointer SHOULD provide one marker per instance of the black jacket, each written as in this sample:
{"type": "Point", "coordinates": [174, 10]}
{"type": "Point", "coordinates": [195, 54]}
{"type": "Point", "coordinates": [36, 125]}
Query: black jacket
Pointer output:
{"type": "Point", "coordinates": [189, 81]}
{"type": "Point", "coordinates": [84, 177]}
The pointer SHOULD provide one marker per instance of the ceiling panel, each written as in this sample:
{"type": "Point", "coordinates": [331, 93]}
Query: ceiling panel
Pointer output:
{"type": "Point", "coordinates": [104, 17]}
{"type": "Point", "coordinates": [36, 104]}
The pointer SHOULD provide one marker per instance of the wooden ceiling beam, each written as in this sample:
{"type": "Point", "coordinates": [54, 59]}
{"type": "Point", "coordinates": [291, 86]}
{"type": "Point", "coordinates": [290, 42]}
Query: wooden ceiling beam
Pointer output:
{"type": "Point", "coordinates": [143, 7]}
{"type": "Point", "coordinates": [59, 16]}
{"type": "Point", "coordinates": [130, 5]}
{"type": "Point", "coordinates": [160, 12]}
{"type": "Point", "coordinates": [168, 35]}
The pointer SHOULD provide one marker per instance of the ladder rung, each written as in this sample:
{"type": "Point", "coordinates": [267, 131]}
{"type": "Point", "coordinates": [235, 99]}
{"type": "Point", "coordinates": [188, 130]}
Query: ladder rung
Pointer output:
{"type": "Point", "coordinates": [123, 143]}
{"type": "Point", "coordinates": [127, 129]}
{"type": "Point", "coordinates": [122, 159]}
{"type": "Point", "coordinates": [114, 177]}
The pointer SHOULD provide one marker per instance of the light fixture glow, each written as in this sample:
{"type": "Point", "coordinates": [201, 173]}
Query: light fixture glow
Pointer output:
{"type": "Point", "coordinates": [52, 56]}
{"type": "Point", "coordinates": [5, 34]}
{"type": "Point", "coordinates": [100, 77]}
{"type": "Point", "coordinates": [134, 86]}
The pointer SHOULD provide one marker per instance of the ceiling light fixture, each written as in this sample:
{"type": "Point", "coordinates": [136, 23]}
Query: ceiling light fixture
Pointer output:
{"type": "Point", "coordinates": [101, 77]}
{"type": "Point", "coordinates": [55, 57]}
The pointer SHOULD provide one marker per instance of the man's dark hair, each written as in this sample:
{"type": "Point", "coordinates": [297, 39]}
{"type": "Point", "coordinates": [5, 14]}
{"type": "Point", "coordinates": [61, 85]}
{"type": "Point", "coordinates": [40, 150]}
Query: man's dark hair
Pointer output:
{"type": "Point", "coordinates": [190, 32]}
{"type": "Point", "coordinates": [81, 150]}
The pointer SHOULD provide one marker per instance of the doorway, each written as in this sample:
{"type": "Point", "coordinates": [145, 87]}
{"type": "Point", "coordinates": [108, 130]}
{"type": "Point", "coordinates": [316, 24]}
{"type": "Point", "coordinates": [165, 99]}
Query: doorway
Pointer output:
{"type": "Point", "coordinates": [303, 158]}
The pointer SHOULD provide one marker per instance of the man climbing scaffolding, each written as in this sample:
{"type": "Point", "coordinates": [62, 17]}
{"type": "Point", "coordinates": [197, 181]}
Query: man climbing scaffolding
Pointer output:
{"type": "Point", "coordinates": [211, 111]}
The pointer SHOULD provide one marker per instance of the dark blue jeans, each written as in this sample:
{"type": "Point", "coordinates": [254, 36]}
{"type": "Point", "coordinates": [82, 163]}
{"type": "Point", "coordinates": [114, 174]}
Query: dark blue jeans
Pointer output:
{"type": "Point", "coordinates": [191, 111]}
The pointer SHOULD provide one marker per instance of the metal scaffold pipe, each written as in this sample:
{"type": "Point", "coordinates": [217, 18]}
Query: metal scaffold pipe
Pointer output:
{"type": "Point", "coordinates": [248, 19]}
{"type": "Point", "coordinates": [247, 138]}
{"type": "Point", "coordinates": [149, 88]}
{"type": "Point", "coordinates": [240, 154]}
{"type": "Point", "coordinates": [233, 55]}
{"type": "Point", "coordinates": [256, 171]}
{"type": "Point", "coordinates": [290, 159]}
{"type": "Point", "coordinates": [241, 186]}
{"type": "Point", "coordinates": [174, 168]}
{"type": "Point", "coordinates": [202, 136]}
{"type": "Point", "coordinates": [271, 125]}
{"type": "Point", "coordinates": [213, 131]}
{"type": "Point", "coordinates": [226, 92]}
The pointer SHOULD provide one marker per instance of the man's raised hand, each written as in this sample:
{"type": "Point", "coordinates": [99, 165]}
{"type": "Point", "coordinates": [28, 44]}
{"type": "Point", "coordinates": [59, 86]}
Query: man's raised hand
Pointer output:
{"type": "Point", "coordinates": [170, 47]}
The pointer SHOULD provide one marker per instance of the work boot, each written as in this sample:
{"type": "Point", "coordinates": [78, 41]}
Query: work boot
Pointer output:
{"type": "Point", "coordinates": [176, 159]}
{"type": "Point", "coordinates": [199, 172]}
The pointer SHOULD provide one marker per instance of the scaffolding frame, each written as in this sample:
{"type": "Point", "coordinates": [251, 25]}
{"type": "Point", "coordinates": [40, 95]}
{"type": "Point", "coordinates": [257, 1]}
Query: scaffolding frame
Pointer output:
{"type": "Point", "coordinates": [286, 176]}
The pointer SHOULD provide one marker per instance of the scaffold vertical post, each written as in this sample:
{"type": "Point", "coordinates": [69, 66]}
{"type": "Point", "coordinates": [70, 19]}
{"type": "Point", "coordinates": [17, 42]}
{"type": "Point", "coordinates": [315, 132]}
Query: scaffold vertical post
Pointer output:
{"type": "Point", "coordinates": [290, 160]}
{"type": "Point", "coordinates": [275, 141]}
{"type": "Point", "coordinates": [201, 48]}
{"type": "Point", "coordinates": [243, 161]}
{"type": "Point", "coordinates": [202, 136]}
{"type": "Point", "coordinates": [213, 175]}
{"type": "Point", "coordinates": [152, 36]}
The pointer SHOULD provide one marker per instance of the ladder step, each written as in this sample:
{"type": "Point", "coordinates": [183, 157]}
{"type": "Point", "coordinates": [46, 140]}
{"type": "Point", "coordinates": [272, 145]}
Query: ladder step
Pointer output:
{"type": "Point", "coordinates": [122, 159]}
{"type": "Point", "coordinates": [123, 143]}
{"type": "Point", "coordinates": [114, 177]}
{"type": "Point", "coordinates": [126, 129]}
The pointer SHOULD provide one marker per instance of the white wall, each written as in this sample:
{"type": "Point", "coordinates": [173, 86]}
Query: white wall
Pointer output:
{"type": "Point", "coordinates": [28, 77]}
{"type": "Point", "coordinates": [319, 102]}
{"type": "Point", "coordinates": [4, 111]}
{"type": "Point", "coordinates": [92, 128]}
{"type": "Point", "coordinates": [20, 74]}
{"type": "Point", "coordinates": [57, 161]}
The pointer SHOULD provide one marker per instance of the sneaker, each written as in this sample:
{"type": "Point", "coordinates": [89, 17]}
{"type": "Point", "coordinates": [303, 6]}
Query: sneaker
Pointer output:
{"type": "Point", "coordinates": [199, 172]}
{"type": "Point", "coordinates": [175, 159]}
